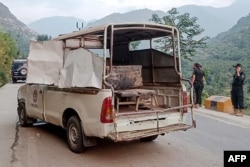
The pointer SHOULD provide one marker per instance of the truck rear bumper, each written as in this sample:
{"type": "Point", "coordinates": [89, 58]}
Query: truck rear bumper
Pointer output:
{"type": "Point", "coordinates": [133, 135]}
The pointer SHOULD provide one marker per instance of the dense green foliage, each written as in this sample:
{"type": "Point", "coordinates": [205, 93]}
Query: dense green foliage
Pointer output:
{"type": "Point", "coordinates": [218, 58]}
{"type": "Point", "coordinates": [189, 30]}
{"type": "Point", "coordinates": [8, 51]}
{"type": "Point", "coordinates": [20, 34]}
{"type": "Point", "coordinates": [22, 42]}
{"type": "Point", "coordinates": [221, 54]}
{"type": "Point", "coordinates": [43, 37]}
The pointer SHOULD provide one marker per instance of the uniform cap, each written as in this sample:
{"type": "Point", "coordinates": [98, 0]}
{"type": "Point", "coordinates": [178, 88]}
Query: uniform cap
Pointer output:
{"type": "Point", "coordinates": [196, 64]}
{"type": "Point", "coordinates": [237, 65]}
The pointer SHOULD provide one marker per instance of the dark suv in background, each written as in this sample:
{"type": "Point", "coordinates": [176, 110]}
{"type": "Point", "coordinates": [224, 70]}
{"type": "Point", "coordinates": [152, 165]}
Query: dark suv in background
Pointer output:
{"type": "Point", "coordinates": [19, 70]}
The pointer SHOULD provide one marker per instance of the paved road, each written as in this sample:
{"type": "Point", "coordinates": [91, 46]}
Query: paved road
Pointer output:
{"type": "Point", "coordinates": [8, 121]}
{"type": "Point", "coordinates": [45, 145]}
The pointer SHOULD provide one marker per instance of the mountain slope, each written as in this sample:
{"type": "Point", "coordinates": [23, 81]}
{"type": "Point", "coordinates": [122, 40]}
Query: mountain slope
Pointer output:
{"type": "Point", "coordinates": [216, 20]}
{"type": "Point", "coordinates": [18, 30]}
{"type": "Point", "coordinates": [224, 51]}
{"type": "Point", "coordinates": [213, 20]}
{"type": "Point", "coordinates": [141, 15]}
{"type": "Point", "coordinates": [232, 44]}
{"type": "Point", "coordinates": [57, 25]}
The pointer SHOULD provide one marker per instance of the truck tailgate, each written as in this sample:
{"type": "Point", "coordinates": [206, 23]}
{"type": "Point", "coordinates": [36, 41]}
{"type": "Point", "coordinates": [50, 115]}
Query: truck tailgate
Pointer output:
{"type": "Point", "coordinates": [142, 124]}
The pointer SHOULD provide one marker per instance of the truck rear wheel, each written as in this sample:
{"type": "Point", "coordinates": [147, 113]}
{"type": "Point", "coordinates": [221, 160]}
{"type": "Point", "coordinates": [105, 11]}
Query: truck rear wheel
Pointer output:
{"type": "Point", "coordinates": [23, 120]}
{"type": "Point", "coordinates": [74, 135]}
{"type": "Point", "coordinates": [148, 139]}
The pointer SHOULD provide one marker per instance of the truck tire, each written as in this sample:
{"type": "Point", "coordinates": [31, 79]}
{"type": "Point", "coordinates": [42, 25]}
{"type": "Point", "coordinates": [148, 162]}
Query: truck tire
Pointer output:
{"type": "Point", "coordinates": [23, 120]}
{"type": "Point", "coordinates": [148, 139]}
{"type": "Point", "coordinates": [23, 71]}
{"type": "Point", "coordinates": [74, 135]}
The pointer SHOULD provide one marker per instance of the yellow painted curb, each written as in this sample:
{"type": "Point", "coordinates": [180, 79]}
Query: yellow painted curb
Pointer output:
{"type": "Point", "coordinates": [219, 103]}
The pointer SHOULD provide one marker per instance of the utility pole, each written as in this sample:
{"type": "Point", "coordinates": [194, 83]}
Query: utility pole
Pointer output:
{"type": "Point", "coordinates": [78, 27]}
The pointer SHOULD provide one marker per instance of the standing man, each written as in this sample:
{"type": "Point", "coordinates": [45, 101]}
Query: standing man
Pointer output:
{"type": "Point", "coordinates": [197, 80]}
{"type": "Point", "coordinates": [237, 94]}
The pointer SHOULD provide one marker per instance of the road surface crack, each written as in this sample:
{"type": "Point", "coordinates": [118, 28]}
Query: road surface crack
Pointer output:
{"type": "Point", "coordinates": [15, 143]}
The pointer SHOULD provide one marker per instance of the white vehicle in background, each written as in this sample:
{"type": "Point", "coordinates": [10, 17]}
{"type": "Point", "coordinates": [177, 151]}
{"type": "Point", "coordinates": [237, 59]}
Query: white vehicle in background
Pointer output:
{"type": "Point", "coordinates": [117, 81]}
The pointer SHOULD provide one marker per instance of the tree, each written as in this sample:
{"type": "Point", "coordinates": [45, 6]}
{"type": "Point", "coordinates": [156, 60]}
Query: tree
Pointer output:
{"type": "Point", "coordinates": [43, 37]}
{"type": "Point", "coordinates": [189, 30]}
{"type": "Point", "coordinates": [8, 51]}
{"type": "Point", "coordinates": [134, 45]}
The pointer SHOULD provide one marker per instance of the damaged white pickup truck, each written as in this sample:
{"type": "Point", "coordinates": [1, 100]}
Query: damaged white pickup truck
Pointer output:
{"type": "Point", "coordinates": [117, 81]}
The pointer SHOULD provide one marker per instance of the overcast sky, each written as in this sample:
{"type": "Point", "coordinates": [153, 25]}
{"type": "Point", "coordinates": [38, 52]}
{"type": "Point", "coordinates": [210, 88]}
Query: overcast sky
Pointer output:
{"type": "Point", "coordinates": [32, 10]}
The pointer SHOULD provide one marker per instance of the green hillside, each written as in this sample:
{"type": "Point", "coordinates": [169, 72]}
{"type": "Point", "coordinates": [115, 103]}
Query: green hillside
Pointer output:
{"type": "Point", "coordinates": [16, 29]}
{"type": "Point", "coordinates": [14, 41]}
{"type": "Point", "coordinates": [222, 53]}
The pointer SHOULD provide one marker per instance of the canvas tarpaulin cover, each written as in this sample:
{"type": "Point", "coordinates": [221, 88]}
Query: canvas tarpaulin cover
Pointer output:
{"type": "Point", "coordinates": [49, 63]}
{"type": "Point", "coordinates": [44, 62]}
{"type": "Point", "coordinates": [82, 68]}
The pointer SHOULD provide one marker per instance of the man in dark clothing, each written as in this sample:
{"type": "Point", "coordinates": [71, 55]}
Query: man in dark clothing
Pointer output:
{"type": "Point", "coordinates": [237, 94]}
{"type": "Point", "coordinates": [197, 81]}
